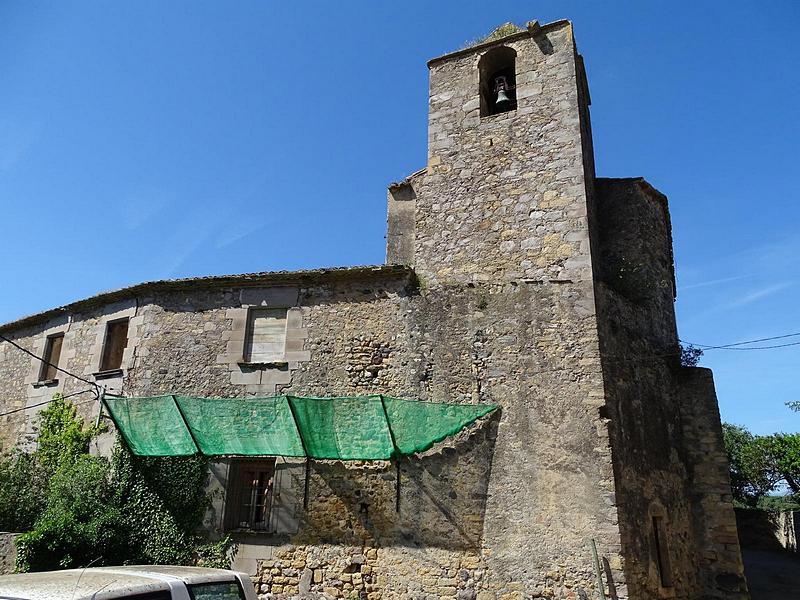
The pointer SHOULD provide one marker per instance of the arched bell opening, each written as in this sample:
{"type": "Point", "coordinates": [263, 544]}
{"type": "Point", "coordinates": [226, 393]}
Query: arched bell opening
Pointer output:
{"type": "Point", "coordinates": [498, 81]}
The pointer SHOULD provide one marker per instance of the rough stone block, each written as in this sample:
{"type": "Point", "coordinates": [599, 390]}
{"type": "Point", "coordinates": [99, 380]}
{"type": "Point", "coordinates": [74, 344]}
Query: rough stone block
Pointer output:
{"type": "Point", "coordinates": [278, 297]}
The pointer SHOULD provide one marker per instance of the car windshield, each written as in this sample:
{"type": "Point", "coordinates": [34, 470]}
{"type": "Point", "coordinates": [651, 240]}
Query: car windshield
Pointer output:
{"type": "Point", "coordinates": [216, 591]}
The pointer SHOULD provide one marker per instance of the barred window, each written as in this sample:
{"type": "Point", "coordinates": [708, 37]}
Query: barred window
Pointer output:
{"type": "Point", "coordinates": [250, 494]}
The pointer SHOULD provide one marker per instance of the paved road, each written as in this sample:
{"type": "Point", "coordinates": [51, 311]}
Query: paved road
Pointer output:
{"type": "Point", "coordinates": [772, 574]}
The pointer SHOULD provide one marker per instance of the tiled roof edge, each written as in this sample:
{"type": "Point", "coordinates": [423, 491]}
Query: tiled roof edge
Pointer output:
{"type": "Point", "coordinates": [276, 278]}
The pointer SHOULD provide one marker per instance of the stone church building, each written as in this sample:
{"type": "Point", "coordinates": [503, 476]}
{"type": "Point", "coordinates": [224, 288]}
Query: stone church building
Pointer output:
{"type": "Point", "coordinates": [514, 276]}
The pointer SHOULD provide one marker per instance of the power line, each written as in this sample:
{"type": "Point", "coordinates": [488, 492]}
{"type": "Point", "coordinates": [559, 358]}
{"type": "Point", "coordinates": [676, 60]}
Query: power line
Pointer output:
{"type": "Point", "coordinates": [77, 394]}
{"type": "Point", "coordinates": [753, 347]}
{"type": "Point", "coordinates": [734, 346]}
{"type": "Point", "coordinates": [56, 367]}
{"type": "Point", "coordinates": [16, 410]}
{"type": "Point", "coordinates": [731, 346]}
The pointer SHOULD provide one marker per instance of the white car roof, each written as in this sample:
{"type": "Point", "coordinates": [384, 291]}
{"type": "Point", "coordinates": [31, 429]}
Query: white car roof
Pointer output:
{"type": "Point", "coordinates": [98, 583]}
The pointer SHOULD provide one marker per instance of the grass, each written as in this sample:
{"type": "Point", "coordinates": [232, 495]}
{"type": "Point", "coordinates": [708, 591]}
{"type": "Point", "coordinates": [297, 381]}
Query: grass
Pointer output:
{"type": "Point", "coordinates": [504, 30]}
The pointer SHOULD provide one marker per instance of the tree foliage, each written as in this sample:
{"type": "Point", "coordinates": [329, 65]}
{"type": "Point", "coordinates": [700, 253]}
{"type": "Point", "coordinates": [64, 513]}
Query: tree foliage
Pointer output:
{"type": "Point", "coordinates": [760, 465]}
{"type": "Point", "coordinates": [690, 355]}
{"type": "Point", "coordinates": [78, 508]}
{"type": "Point", "coordinates": [25, 477]}
{"type": "Point", "coordinates": [750, 478]}
{"type": "Point", "coordinates": [783, 455]}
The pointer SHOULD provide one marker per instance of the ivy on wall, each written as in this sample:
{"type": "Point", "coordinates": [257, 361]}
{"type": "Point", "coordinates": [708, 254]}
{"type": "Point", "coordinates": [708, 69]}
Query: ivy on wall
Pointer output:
{"type": "Point", "coordinates": [78, 509]}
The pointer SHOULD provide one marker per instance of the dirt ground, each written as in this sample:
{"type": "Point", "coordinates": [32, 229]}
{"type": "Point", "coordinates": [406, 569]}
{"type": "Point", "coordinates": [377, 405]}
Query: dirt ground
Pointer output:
{"type": "Point", "coordinates": [772, 574]}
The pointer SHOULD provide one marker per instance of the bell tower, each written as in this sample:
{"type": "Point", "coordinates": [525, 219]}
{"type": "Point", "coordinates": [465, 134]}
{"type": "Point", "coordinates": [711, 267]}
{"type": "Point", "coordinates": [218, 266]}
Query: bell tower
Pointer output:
{"type": "Point", "coordinates": [507, 189]}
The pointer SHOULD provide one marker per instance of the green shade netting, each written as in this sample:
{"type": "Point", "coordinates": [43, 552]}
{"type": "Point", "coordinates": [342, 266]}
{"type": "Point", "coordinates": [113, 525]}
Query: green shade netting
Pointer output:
{"type": "Point", "coordinates": [151, 426]}
{"type": "Point", "coordinates": [419, 425]}
{"type": "Point", "coordinates": [343, 428]}
{"type": "Point", "coordinates": [348, 428]}
{"type": "Point", "coordinates": [247, 427]}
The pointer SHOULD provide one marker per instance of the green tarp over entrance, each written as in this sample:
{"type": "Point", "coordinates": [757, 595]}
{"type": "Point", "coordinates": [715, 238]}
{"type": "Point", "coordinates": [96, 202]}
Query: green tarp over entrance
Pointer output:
{"type": "Point", "coordinates": [347, 428]}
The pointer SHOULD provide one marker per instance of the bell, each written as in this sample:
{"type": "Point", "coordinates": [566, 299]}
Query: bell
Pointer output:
{"type": "Point", "coordinates": [502, 98]}
{"type": "Point", "coordinates": [500, 86]}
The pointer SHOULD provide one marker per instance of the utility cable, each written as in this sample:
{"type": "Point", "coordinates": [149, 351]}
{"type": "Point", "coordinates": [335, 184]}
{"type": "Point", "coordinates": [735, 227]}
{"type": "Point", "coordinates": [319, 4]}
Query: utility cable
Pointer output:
{"type": "Point", "coordinates": [751, 347]}
{"type": "Point", "coordinates": [56, 367]}
{"type": "Point", "coordinates": [16, 410]}
{"type": "Point", "coordinates": [767, 339]}
{"type": "Point", "coordinates": [704, 347]}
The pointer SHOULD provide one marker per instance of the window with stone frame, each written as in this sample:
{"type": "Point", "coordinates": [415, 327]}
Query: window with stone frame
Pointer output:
{"type": "Point", "coordinates": [114, 344]}
{"type": "Point", "coordinates": [265, 339]}
{"type": "Point", "coordinates": [250, 495]}
{"type": "Point", "coordinates": [52, 356]}
{"type": "Point", "coordinates": [662, 552]}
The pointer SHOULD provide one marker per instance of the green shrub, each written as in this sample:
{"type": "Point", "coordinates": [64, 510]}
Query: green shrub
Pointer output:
{"type": "Point", "coordinates": [778, 503]}
{"type": "Point", "coordinates": [91, 510]}
{"type": "Point", "coordinates": [22, 492]}
{"type": "Point", "coordinates": [63, 437]}
{"type": "Point", "coordinates": [163, 502]}
{"type": "Point", "coordinates": [81, 521]}
{"type": "Point", "coordinates": [25, 477]}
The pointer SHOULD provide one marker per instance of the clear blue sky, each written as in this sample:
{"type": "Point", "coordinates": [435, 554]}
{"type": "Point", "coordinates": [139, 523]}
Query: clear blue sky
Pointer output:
{"type": "Point", "coordinates": [149, 139]}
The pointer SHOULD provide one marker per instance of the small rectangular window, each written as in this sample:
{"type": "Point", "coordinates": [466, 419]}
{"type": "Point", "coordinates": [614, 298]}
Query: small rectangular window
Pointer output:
{"type": "Point", "coordinates": [52, 354]}
{"type": "Point", "coordinates": [662, 552]}
{"type": "Point", "coordinates": [114, 345]}
{"type": "Point", "coordinates": [250, 492]}
{"type": "Point", "coordinates": [216, 591]}
{"type": "Point", "coordinates": [266, 335]}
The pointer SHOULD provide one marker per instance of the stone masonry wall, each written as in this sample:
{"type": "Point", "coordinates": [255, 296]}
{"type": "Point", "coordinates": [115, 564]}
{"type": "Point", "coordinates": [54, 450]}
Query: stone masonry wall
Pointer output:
{"type": "Point", "coordinates": [8, 552]}
{"type": "Point", "coordinates": [651, 476]}
{"type": "Point", "coordinates": [719, 558]}
{"type": "Point", "coordinates": [13, 370]}
{"type": "Point", "coordinates": [504, 196]}
{"type": "Point", "coordinates": [660, 469]}
{"type": "Point", "coordinates": [80, 355]}
{"type": "Point", "coordinates": [768, 530]}
{"type": "Point", "coordinates": [471, 506]}
{"type": "Point", "coordinates": [502, 210]}
{"type": "Point", "coordinates": [528, 347]}
{"type": "Point", "coordinates": [490, 497]}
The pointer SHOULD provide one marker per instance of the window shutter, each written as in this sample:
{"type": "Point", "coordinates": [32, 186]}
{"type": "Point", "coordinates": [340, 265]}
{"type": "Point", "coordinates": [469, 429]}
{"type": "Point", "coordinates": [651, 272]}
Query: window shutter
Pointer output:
{"type": "Point", "coordinates": [52, 354]}
{"type": "Point", "coordinates": [287, 500]}
{"type": "Point", "coordinates": [115, 343]}
{"type": "Point", "coordinates": [267, 336]}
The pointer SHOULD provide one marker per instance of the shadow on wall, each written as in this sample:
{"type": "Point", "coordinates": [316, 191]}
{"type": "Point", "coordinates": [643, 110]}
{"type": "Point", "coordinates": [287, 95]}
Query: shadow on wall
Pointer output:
{"type": "Point", "coordinates": [768, 530]}
{"type": "Point", "coordinates": [442, 496]}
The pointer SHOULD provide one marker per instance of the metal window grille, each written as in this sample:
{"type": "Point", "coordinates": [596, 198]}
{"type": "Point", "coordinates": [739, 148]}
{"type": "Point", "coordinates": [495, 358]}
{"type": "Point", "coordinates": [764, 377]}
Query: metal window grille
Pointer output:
{"type": "Point", "coordinates": [252, 495]}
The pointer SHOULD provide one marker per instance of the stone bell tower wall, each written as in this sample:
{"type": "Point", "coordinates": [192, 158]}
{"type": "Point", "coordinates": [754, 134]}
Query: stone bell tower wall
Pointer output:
{"type": "Point", "coordinates": [503, 196]}
{"type": "Point", "coordinates": [497, 229]}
